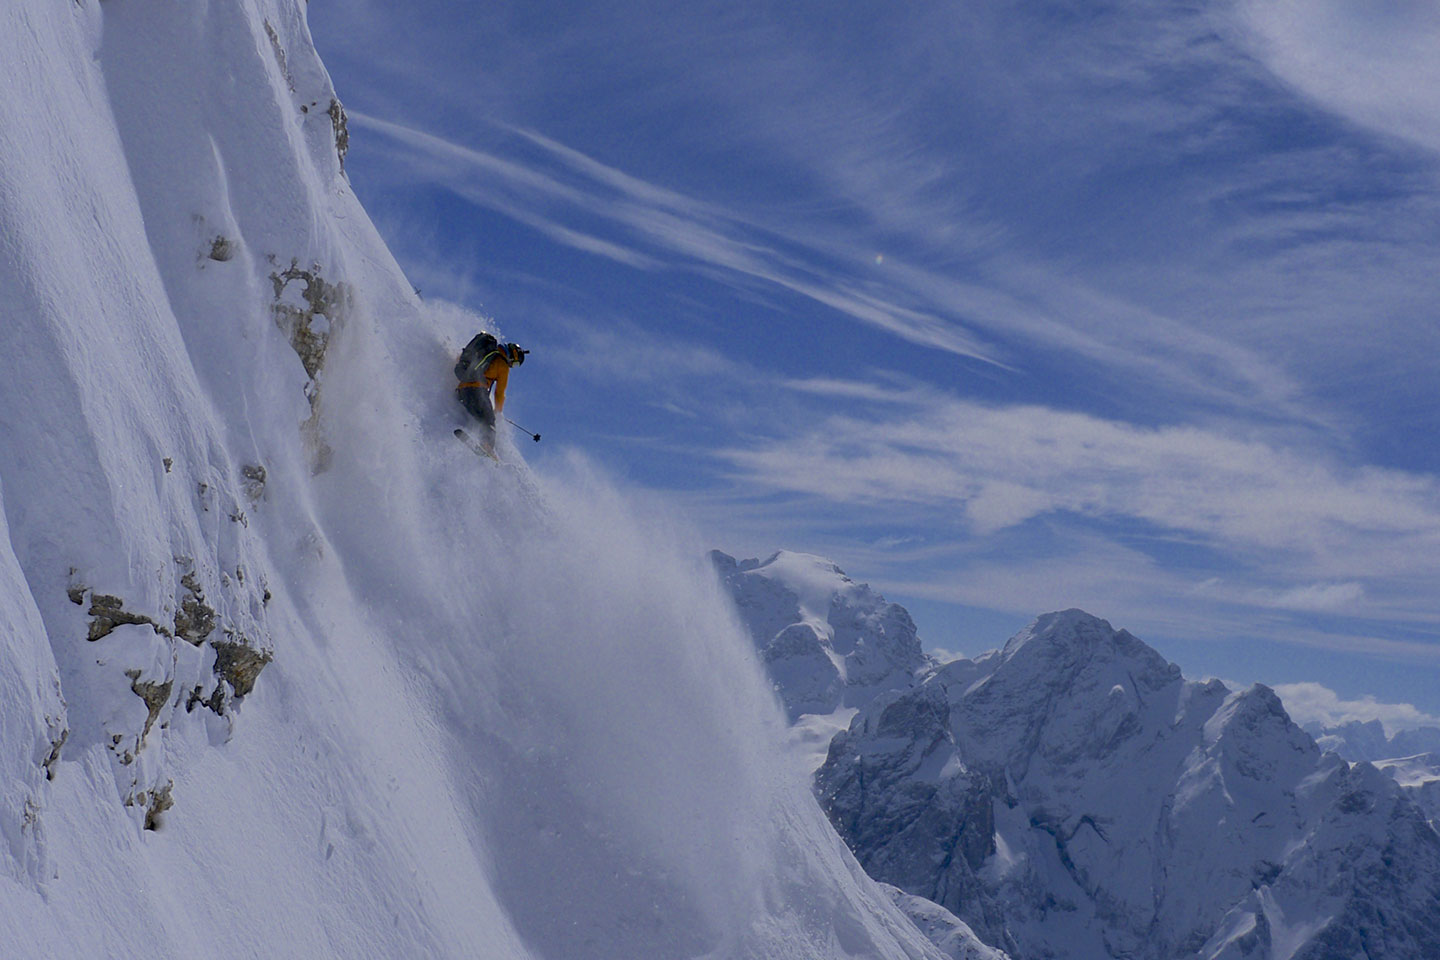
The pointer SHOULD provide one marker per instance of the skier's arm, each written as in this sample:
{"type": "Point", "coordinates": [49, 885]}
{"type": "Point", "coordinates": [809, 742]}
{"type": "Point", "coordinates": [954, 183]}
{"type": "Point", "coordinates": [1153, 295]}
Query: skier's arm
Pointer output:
{"type": "Point", "coordinates": [502, 377]}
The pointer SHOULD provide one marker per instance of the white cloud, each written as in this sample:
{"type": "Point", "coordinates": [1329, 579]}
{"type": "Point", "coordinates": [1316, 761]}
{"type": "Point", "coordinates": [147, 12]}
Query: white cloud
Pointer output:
{"type": "Point", "coordinates": [1314, 703]}
{"type": "Point", "coordinates": [1004, 465]}
{"type": "Point", "coordinates": [649, 357]}
{"type": "Point", "coordinates": [1376, 64]}
{"type": "Point", "coordinates": [1317, 597]}
{"type": "Point", "coordinates": [1328, 537]}
{"type": "Point", "coordinates": [896, 390]}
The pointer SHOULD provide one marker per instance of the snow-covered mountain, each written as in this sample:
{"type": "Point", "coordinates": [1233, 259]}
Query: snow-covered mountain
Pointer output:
{"type": "Point", "coordinates": [1420, 775]}
{"type": "Point", "coordinates": [1368, 740]}
{"type": "Point", "coordinates": [284, 670]}
{"type": "Point", "coordinates": [827, 642]}
{"type": "Point", "coordinates": [1411, 756]}
{"type": "Point", "coordinates": [1072, 795]}
{"type": "Point", "coordinates": [829, 646]}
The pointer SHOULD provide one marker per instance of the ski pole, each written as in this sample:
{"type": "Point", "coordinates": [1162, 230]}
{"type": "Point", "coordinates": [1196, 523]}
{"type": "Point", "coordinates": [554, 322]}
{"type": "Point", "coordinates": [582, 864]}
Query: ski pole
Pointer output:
{"type": "Point", "coordinates": [533, 436]}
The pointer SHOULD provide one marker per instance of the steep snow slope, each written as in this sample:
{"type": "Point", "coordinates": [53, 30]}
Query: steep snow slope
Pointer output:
{"type": "Point", "coordinates": [285, 670]}
{"type": "Point", "coordinates": [948, 932]}
{"type": "Point", "coordinates": [1073, 796]}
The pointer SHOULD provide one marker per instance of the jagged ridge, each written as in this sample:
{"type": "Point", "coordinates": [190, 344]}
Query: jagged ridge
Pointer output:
{"type": "Point", "coordinates": [1073, 795]}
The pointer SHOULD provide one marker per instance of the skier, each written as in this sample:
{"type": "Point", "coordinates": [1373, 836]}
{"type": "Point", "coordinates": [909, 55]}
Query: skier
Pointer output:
{"type": "Point", "coordinates": [484, 363]}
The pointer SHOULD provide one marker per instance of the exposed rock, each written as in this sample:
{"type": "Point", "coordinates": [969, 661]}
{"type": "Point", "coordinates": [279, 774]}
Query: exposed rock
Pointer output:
{"type": "Point", "coordinates": [341, 127]}
{"type": "Point", "coordinates": [216, 701]}
{"type": "Point", "coordinates": [154, 694]}
{"type": "Point", "coordinates": [311, 326]}
{"type": "Point", "coordinates": [53, 757]}
{"type": "Point", "coordinates": [252, 481]}
{"type": "Point", "coordinates": [108, 612]}
{"type": "Point", "coordinates": [160, 800]}
{"type": "Point", "coordinates": [240, 665]}
{"type": "Point", "coordinates": [223, 249]}
{"type": "Point", "coordinates": [310, 318]}
{"type": "Point", "coordinates": [279, 52]}
{"type": "Point", "coordinates": [195, 619]}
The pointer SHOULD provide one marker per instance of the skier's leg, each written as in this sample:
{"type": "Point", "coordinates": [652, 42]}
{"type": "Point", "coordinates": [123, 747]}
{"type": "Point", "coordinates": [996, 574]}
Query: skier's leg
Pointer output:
{"type": "Point", "coordinates": [486, 416]}
{"type": "Point", "coordinates": [466, 396]}
{"type": "Point", "coordinates": [476, 402]}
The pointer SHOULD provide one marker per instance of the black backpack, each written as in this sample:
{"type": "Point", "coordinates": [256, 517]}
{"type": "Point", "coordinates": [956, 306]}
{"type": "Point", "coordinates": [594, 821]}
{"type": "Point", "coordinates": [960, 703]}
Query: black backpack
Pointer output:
{"type": "Point", "coordinates": [476, 354]}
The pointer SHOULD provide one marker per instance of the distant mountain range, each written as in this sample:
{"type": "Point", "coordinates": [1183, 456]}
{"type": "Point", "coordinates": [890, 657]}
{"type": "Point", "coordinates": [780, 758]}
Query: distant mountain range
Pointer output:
{"type": "Point", "coordinates": [1411, 756]}
{"type": "Point", "coordinates": [1072, 795]}
{"type": "Point", "coordinates": [1367, 740]}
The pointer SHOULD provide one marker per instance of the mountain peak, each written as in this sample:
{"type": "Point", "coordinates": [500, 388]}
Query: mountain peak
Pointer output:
{"type": "Point", "coordinates": [796, 564]}
{"type": "Point", "coordinates": [826, 640]}
{"type": "Point", "coordinates": [781, 560]}
{"type": "Point", "coordinates": [1070, 628]}
{"type": "Point", "coordinates": [1255, 719]}
{"type": "Point", "coordinates": [1064, 641]}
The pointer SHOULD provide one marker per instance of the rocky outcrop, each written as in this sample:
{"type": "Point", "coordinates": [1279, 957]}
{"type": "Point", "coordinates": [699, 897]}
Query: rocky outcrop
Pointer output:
{"type": "Point", "coordinates": [186, 651]}
{"type": "Point", "coordinates": [310, 311]}
{"type": "Point", "coordinates": [239, 664]}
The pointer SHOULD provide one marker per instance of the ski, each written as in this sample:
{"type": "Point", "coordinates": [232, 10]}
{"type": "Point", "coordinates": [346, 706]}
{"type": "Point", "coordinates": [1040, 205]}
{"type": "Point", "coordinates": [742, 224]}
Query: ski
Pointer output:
{"type": "Point", "coordinates": [475, 445]}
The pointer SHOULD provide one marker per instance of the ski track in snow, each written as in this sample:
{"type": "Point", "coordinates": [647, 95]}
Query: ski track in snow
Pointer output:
{"type": "Point", "coordinates": [505, 716]}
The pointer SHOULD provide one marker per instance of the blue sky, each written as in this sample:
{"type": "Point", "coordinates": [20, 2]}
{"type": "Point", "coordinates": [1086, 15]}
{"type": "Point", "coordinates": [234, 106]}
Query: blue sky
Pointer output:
{"type": "Point", "coordinates": [1005, 307]}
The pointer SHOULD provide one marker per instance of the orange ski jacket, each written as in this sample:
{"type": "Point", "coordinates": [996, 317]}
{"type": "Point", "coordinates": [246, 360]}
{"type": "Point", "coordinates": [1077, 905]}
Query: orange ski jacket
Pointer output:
{"type": "Point", "coordinates": [497, 375]}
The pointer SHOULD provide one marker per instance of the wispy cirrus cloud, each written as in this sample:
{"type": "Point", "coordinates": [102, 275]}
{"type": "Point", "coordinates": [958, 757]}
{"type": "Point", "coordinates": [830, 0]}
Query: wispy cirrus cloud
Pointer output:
{"type": "Point", "coordinates": [659, 228]}
{"type": "Point", "coordinates": [648, 227]}
{"type": "Point", "coordinates": [1004, 465]}
{"type": "Point", "coordinates": [1336, 530]}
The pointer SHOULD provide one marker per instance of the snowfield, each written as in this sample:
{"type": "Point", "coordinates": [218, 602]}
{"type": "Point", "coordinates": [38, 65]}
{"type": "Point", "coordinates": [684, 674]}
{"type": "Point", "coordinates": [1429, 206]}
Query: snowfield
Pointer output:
{"type": "Point", "coordinates": [286, 671]}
